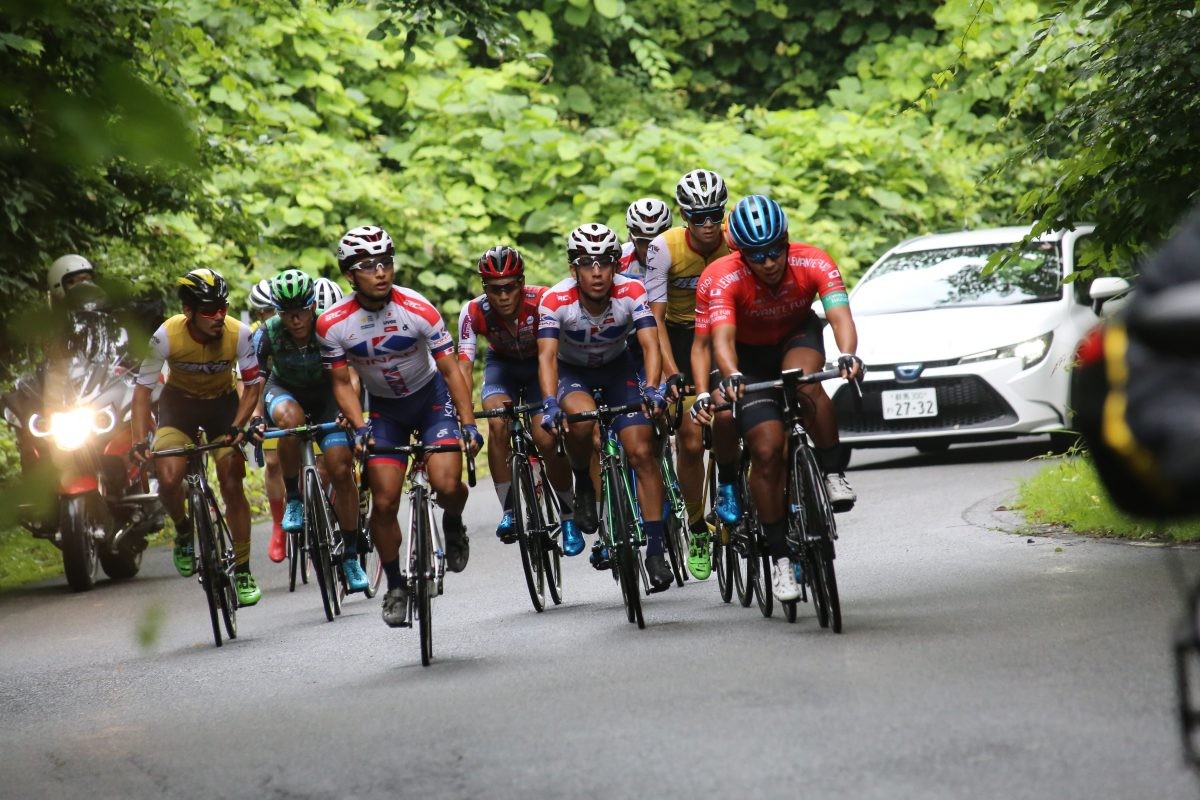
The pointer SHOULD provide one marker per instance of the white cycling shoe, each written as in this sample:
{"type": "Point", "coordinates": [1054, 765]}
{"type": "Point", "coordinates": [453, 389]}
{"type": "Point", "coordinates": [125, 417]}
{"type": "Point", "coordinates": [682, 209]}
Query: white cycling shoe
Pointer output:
{"type": "Point", "coordinates": [783, 581]}
{"type": "Point", "coordinates": [841, 496]}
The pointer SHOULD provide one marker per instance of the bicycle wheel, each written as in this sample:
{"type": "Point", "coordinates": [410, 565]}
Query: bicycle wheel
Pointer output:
{"type": "Point", "coordinates": [368, 559]}
{"type": "Point", "coordinates": [743, 570]}
{"type": "Point", "coordinates": [624, 550]}
{"type": "Point", "coordinates": [228, 591]}
{"type": "Point", "coordinates": [425, 572]}
{"type": "Point", "coordinates": [294, 554]}
{"type": "Point", "coordinates": [552, 540]}
{"type": "Point", "coordinates": [762, 583]}
{"type": "Point", "coordinates": [209, 562]}
{"type": "Point", "coordinates": [674, 519]}
{"type": "Point", "coordinates": [527, 517]}
{"type": "Point", "coordinates": [316, 528]}
{"type": "Point", "coordinates": [723, 559]}
{"type": "Point", "coordinates": [823, 530]}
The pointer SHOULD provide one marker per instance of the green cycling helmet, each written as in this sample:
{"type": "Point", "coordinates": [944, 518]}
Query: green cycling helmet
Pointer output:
{"type": "Point", "coordinates": [292, 289]}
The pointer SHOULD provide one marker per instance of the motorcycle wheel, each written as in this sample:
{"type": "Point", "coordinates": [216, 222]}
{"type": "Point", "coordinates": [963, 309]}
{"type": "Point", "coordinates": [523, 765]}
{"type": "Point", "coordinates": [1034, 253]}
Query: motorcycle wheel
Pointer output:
{"type": "Point", "coordinates": [79, 550]}
{"type": "Point", "coordinates": [122, 565]}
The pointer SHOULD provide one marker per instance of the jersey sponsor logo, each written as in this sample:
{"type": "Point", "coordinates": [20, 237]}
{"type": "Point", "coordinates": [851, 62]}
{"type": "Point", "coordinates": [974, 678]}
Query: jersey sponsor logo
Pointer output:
{"type": "Point", "coordinates": [210, 368]}
{"type": "Point", "coordinates": [684, 283]}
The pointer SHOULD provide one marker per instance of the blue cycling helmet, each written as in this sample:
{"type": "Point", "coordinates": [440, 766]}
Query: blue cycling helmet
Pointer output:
{"type": "Point", "coordinates": [756, 221]}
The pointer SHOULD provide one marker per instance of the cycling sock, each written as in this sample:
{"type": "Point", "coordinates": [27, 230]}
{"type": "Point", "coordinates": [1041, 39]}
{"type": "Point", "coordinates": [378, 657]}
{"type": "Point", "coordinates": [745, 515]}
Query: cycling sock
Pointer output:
{"type": "Point", "coordinates": [183, 527]}
{"type": "Point", "coordinates": [726, 473]}
{"type": "Point", "coordinates": [776, 543]}
{"type": "Point", "coordinates": [567, 501]}
{"type": "Point", "coordinates": [291, 487]}
{"type": "Point", "coordinates": [503, 494]}
{"type": "Point", "coordinates": [349, 544]}
{"type": "Point", "coordinates": [582, 477]}
{"type": "Point", "coordinates": [654, 537]}
{"type": "Point", "coordinates": [699, 526]}
{"type": "Point", "coordinates": [392, 570]}
{"type": "Point", "coordinates": [695, 513]}
{"type": "Point", "coordinates": [833, 459]}
{"type": "Point", "coordinates": [451, 521]}
{"type": "Point", "coordinates": [241, 555]}
{"type": "Point", "coordinates": [276, 510]}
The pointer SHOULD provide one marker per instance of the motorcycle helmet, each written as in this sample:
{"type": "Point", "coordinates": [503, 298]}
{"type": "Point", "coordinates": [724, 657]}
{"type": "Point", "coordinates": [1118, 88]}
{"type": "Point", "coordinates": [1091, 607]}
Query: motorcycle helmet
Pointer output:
{"type": "Point", "coordinates": [64, 267]}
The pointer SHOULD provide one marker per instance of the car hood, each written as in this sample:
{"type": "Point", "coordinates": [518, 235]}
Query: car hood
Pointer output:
{"type": "Point", "coordinates": [946, 333]}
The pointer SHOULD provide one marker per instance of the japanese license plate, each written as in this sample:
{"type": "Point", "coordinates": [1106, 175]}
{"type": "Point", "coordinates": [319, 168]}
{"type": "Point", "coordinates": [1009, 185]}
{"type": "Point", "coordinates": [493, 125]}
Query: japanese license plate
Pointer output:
{"type": "Point", "coordinates": [910, 403]}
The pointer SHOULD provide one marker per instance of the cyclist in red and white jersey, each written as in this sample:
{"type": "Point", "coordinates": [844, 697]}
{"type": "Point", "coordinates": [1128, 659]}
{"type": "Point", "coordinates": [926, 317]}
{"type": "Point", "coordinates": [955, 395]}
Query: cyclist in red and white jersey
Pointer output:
{"type": "Point", "coordinates": [761, 322]}
{"type": "Point", "coordinates": [506, 315]}
{"type": "Point", "coordinates": [404, 356]}
{"type": "Point", "coordinates": [584, 323]}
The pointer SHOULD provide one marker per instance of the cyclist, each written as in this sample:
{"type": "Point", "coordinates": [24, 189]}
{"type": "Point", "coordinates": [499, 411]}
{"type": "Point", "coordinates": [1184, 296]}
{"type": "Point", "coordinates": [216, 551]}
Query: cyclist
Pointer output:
{"type": "Point", "coordinates": [645, 220]}
{"type": "Point", "coordinates": [674, 262]}
{"type": "Point", "coordinates": [204, 348]}
{"type": "Point", "coordinates": [326, 293]}
{"type": "Point", "coordinates": [584, 323]}
{"type": "Point", "coordinates": [399, 345]}
{"type": "Point", "coordinates": [761, 321]}
{"type": "Point", "coordinates": [506, 314]}
{"type": "Point", "coordinates": [262, 308]}
{"type": "Point", "coordinates": [297, 387]}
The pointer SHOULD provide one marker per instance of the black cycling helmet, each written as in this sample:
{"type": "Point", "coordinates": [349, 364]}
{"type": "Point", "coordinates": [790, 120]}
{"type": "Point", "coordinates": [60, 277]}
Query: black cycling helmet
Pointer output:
{"type": "Point", "coordinates": [202, 287]}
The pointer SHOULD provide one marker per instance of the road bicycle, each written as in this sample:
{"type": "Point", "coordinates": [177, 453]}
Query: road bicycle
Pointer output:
{"type": "Point", "coordinates": [675, 521]}
{"type": "Point", "coordinates": [621, 528]}
{"type": "Point", "coordinates": [425, 557]}
{"type": "Point", "coordinates": [215, 560]}
{"type": "Point", "coordinates": [318, 543]}
{"type": "Point", "coordinates": [536, 511]}
{"type": "Point", "coordinates": [811, 526]}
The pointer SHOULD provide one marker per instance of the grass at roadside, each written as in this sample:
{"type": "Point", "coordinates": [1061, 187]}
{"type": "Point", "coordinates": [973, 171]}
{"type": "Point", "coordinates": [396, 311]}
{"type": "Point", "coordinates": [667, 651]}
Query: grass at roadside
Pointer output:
{"type": "Point", "coordinates": [24, 559]}
{"type": "Point", "coordinates": [1068, 492]}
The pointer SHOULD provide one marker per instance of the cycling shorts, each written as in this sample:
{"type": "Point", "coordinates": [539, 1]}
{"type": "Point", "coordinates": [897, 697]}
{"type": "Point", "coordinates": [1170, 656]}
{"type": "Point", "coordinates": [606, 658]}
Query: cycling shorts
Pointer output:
{"type": "Point", "coordinates": [765, 363]}
{"type": "Point", "coordinates": [681, 338]}
{"type": "Point", "coordinates": [180, 416]}
{"type": "Point", "coordinates": [619, 382]}
{"type": "Point", "coordinates": [318, 404]}
{"type": "Point", "coordinates": [511, 377]}
{"type": "Point", "coordinates": [427, 412]}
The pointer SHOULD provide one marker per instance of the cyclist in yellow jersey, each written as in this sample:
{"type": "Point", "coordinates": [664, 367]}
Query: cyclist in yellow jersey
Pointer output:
{"type": "Point", "coordinates": [674, 263]}
{"type": "Point", "coordinates": [203, 347]}
{"type": "Point", "coordinates": [262, 308]}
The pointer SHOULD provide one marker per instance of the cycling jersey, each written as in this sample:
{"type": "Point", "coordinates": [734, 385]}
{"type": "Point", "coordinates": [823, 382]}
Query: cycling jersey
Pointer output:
{"type": "Point", "coordinates": [587, 340]}
{"type": "Point", "coordinates": [673, 269]}
{"type": "Point", "coordinates": [297, 366]}
{"type": "Point", "coordinates": [478, 318]}
{"type": "Point", "coordinates": [769, 315]}
{"type": "Point", "coordinates": [631, 266]}
{"type": "Point", "coordinates": [201, 370]}
{"type": "Point", "coordinates": [392, 349]}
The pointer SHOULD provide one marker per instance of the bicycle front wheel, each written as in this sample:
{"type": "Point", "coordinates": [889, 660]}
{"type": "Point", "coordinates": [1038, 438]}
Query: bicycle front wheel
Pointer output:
{"type": "Point", "coordinates": [368, 559]}
{"type": "Point", "coordinates": [424, 573]}
{"type": "Point", "coordinates": [317, 530]}
{"type": "Point", "coordinates": [527, 517]}
{"type": "Point", "coordinates": [226, 558]}
{"type": "Point", "coordinates": [209, 560]}
{"type": "Point", "coordinates": [819, 539]}
{"type": "Point", "coordinates": [552, 536]}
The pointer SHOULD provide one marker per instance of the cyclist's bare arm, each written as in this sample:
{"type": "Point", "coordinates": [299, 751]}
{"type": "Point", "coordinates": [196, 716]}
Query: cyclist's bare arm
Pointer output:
{"type": "Point", "coordinates": [460, 392]}
{"type": "Point", "coordinates": [345, 392]}
{"type": "Point", "coordinates": [844, 332]}
{"type": "Point", "coordinates": [669, 367]}
{"type": "Point", "coordinates": [652, 356]}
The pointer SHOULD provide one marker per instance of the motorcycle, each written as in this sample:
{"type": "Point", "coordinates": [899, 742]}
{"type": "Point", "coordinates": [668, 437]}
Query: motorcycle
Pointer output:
{"type": "Point", "coordinates": [103, 507]}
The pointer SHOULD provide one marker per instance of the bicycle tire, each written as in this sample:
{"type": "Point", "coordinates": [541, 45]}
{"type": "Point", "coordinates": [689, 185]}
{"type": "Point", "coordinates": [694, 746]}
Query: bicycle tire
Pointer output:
{"type": "Point", "coordinates": [743, 580]}
{"type": "Point", "coordinates": [424, 573]}
{"type": "Point", "coordinates": [763, 596]}
{"type": "Point", "coordinates": [207, 557]}
{"type": "Point", "coordinates": [624, 547]}
{"type": "Point", "coordinates": [228, 593]}
{"type": "Point", "coordinates": [722, 561]}
{"type": "Point", "coordinates": [821, 512]}
{"type": "Point", "coordinates": [337, 549]}
{"type": "Point", "coordinates": [552, 543]}
{"type": "Point", "coordinates": [316, 529]}
{"type": "Point", "coordinates": [674, 528]}
{"type": "Point", "coordinates": [526, 517]}
{"type": "Point", "coordinates": [368, 559]}
{"type": "Point", "coordinates": [294, 555]}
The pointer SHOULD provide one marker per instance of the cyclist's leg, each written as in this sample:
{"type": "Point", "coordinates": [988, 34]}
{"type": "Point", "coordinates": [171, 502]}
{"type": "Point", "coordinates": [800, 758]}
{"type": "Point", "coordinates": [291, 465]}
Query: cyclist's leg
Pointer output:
{"type": "Point", "coordinates": [689, 441]}
{"type": "Point", "coordinates": [286, 412]}
{"type": "Point", "coordinates": [499, 387]}
{"type": "Point", "coordinates": [806, 350]}
{"type": "Point", "coordinates": [436, 421]}
{"type": "Point", "coordinates": [385, 477]}
{"type": "Point", "coordinates": [574, 397]}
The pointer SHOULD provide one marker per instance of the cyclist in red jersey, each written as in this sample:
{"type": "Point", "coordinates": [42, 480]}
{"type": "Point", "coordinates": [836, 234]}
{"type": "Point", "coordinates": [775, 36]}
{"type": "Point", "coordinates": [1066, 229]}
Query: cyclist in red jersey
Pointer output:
{"type": "Point", "coordinates": [506, 315]}
{"type": "Point", "coordinates": [761, 322]}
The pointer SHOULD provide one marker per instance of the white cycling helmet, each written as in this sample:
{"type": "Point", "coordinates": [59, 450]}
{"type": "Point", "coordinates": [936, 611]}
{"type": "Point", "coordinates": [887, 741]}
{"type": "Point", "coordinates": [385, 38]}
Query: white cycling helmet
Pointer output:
{"type": "Point", "coordinates": [64, 267]}
{"type": "Point", "coordinates": [261, 298]}
{"type": "Point", "coordinates": [362, 242]}
{"type": "Point", "coordinates": [593, 239]}
{"type": "Point", "coordinates": [647, 218]}
{"type": "Point", "coordinates": [327, 293]}
{"type": "Point", "coordinates": [700, 189]}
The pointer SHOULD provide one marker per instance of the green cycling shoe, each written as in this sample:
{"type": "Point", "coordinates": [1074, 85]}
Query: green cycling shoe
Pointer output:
{"type": "Point", "coordinates": [700, 553]}
{"type": "Point", "coordinates": [184, 556]}
{"type": "Point", "coordinates": [247, 589]}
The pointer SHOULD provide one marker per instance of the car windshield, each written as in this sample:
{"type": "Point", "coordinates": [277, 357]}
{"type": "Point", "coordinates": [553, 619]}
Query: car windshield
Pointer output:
{"type": "Point", "coordinates": [954, 277]}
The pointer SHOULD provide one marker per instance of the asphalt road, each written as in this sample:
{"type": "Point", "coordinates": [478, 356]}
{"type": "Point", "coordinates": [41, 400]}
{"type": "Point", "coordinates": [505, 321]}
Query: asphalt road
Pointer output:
{"type": "Point", "coordinates": [974, 664]}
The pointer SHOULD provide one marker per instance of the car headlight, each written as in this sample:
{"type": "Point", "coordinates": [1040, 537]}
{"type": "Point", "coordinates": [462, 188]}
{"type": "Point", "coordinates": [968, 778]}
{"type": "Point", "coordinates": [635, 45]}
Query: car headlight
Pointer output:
{"type": "Point", "coordinates": [1030, 351]}
{"type": "Point", "coordinates": [70, 430]}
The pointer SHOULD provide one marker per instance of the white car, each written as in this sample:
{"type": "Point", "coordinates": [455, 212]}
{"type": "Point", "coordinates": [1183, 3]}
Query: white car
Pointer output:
{"type": "Point", "coordinates": [957, 355]}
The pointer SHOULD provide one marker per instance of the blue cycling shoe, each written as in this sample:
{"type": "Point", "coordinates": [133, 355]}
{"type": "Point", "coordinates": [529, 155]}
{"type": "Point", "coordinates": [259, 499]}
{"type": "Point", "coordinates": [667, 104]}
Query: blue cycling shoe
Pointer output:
{"type": "Point", "coordinates": [599, 557]}
{"type": "Point", "coordinates": [729, 507]}
{"type": "Point", "coordinates": [572, 539]}
{"type": "Point", "coordinates": [506, 531]}
{"type": "Point", "coordinates": [356, 579]}
{"type": "Point", "coordinates": [293, 515]}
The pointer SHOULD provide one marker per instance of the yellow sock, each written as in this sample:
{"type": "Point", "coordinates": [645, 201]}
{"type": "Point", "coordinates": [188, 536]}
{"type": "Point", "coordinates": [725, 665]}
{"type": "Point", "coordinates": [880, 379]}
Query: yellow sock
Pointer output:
{"type": "Point", "coordinates": [241, 553]}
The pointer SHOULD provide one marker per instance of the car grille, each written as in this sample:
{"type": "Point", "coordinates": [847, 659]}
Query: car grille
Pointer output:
{"type": "Point", "coordinates": [963, 403]}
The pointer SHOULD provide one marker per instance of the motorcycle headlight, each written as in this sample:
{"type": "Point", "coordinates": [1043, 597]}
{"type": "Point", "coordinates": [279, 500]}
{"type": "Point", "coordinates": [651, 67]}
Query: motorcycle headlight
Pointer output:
{"type": "Point", "coordinates": [1030, 351]}
{"type": "Point", "coordinates": [71, 429]}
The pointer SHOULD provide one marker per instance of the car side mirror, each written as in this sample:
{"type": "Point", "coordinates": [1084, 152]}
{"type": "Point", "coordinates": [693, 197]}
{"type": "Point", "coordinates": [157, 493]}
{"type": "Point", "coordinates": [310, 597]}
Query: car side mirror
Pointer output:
{"type": "Point", "coordinates": [1105, 289]}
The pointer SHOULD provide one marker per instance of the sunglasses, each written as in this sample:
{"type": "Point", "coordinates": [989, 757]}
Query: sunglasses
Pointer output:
{"type": "Point", "coordinates": [373, 264]}
{"type": "Point", "coordinates": [212, 312]}
{"type": "Point", "coordinates": [502, 288]}
{"type": "Point", "coordinates": [772, 251]}
{"type": "Point", "coordinates": [591, 262]}
{"type": "Point", "coordinates": [704, 216]}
